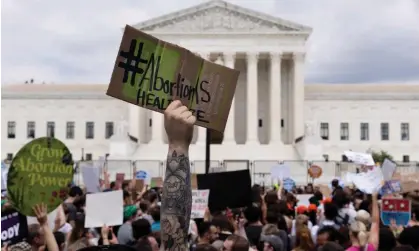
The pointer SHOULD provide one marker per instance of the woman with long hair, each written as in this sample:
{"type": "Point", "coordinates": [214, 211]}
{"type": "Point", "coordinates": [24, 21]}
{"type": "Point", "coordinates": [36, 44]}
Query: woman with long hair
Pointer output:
{"type": "Point", "coordinates": [304, 242]}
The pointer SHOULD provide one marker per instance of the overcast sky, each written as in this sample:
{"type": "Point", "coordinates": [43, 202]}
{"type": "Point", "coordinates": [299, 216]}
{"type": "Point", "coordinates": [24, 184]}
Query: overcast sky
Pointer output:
{"type": "Point", "coordinates": [76, 41]}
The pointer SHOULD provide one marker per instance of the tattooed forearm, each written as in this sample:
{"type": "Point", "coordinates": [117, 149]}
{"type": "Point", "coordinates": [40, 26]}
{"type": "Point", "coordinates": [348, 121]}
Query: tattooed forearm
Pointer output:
{"type": "Point", "coordinates": [176, 202]}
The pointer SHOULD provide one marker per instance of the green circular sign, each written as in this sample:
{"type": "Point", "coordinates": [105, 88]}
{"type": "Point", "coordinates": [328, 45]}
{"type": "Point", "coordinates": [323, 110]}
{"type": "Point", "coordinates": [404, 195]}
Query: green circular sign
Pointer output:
{"type": "Point", "coordinates": [41, 172]}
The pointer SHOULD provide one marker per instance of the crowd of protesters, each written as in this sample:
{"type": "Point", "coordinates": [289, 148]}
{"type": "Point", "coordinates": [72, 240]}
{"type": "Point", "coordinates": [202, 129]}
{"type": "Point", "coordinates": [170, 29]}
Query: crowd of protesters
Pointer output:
{"type": "Point", "coordinates": [348, 219]}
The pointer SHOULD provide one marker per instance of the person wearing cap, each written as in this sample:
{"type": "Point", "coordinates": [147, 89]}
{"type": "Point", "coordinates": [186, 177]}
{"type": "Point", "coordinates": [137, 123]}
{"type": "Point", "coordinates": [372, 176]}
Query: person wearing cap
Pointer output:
{"type": "Point", "coordinates": [124, 234]}
{"type": "Point", "coordinates": [272, 243]}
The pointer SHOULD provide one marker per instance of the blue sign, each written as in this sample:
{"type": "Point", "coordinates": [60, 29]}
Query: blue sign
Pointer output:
{"type": "Point", "coordinates": [390, 187]}
{"type": "Point", "coordinates": [288, 184]}
{"type": "Point", "coordinates": [141, 175]}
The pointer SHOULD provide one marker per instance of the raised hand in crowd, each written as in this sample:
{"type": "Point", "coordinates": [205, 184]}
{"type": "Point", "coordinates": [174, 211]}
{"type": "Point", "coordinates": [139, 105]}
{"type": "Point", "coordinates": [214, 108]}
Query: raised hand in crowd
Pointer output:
{"type": "Point", "coordinates": [396, 229]}
{"type": "Point", "coordinates": [41, 213]}
{"type": "Point", "coordinates": [177, 195]}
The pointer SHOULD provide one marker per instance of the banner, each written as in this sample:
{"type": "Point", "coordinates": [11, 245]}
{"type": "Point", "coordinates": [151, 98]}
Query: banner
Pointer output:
{"type": "Point", "coordinates": [41, 172]}
{"type": "Point", "coordinates": [14, 227]}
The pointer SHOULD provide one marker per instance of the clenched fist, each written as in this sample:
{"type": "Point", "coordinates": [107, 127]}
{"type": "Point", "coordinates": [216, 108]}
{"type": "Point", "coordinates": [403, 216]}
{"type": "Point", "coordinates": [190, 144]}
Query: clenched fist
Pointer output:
{"type": "Point", "coordinates": [178, 122]}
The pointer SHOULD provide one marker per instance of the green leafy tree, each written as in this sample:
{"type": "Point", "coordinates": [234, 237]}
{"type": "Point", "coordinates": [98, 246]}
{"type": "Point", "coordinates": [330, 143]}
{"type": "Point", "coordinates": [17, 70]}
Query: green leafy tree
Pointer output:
{"type": "Point", "coordinates": [381, 156]}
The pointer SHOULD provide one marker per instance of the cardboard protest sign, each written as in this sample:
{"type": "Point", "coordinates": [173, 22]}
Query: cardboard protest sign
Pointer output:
{"type": "Point", "coordinates": [41, 171]}
{"type": "Point", "coordinates": [151, 73]}
{"type": "Point", "coordinates": [409, 182]}
{"type": "Point", "coordinates": [139, 185]}
{"type": "Point", "coordinates": [156, 182]}
{"type": "Point", "coordinates": [14, 227]}
{"type": "Point", "coordinates": [199, 203]}
{"type": "Point", "coordinates": [395, 209]}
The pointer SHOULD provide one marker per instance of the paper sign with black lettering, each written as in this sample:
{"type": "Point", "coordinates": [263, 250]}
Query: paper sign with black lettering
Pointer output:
{"type": "Point", "coordinates": [151, 73]}
{"type": "Point", "coordinates": [41, 172]}
{"type": "Point", "coordinates": [14, 227]}
{"type": "Point", "coordinates": [199, 203]}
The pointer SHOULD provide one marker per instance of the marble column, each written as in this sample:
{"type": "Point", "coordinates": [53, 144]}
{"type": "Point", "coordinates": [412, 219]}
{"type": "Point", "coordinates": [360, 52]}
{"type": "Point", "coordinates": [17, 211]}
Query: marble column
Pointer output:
{"type": "Point", "coordinates": [299, 96]}
{"type": "Point", "coordinates": [252, 98]}
{"type": "Point", "coordinates": [275, 98]}
{"type": "Point", "coordinates": [202, 132]}
{"type": "Point", "coordinates": [157, 129]}
{"type": "Point", "coordinates": [229, 132]}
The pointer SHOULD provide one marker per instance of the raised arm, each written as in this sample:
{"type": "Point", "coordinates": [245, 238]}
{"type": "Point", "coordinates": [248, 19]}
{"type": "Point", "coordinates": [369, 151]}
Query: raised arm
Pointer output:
{"type": "Point", "coordinates": [177, 195]}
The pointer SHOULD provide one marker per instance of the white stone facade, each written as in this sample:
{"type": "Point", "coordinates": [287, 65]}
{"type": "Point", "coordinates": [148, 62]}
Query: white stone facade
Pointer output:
{"type": "Point", "coordinates": [272, 108]}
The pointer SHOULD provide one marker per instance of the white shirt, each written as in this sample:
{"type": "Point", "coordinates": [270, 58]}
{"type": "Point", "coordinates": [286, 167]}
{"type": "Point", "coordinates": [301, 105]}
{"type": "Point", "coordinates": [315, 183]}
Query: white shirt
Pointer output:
{"type": "Point", "coordinates": [315, 229]}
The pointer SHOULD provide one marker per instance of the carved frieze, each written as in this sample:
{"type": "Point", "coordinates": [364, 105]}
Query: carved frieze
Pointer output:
{"type": "Point", "coordinates": [217, 19]}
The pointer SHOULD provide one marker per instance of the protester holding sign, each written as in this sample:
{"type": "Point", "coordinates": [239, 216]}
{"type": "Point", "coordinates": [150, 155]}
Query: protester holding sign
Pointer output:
{"type": "Point", "coordinates": [40, 172]}
{"type": "Point", "coordinates": [223, 212]}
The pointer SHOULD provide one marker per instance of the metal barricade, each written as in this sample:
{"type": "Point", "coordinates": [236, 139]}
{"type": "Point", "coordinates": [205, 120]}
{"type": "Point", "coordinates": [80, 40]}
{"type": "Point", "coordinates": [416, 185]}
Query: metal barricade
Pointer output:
{"type": "Point", "coordinates": [259, 169]}
{"type": "Point", "coordinates": [329, 171]}
{"type": "Point", "coordinates": [198, 166]}
{"type": "Point", "coordinates": [298, 170]}
{"type": "Point", "coordinates": [407, 167]}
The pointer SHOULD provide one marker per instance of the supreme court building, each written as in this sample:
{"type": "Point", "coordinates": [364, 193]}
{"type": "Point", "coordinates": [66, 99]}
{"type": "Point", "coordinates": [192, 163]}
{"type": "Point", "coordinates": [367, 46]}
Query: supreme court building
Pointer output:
{"type": "Point", "coordinates": [274, 116]}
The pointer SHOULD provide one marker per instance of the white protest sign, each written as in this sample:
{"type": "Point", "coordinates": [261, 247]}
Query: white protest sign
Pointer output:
{"type": "Point", "coordinates": [303, 199]}
{"type": "Point", "coordinates": [368, 182]}
{"type": "Point", "coordinates": [360, 158]}
{"type": "Point", "coordinates": [113, 204]}
{"type": "Point", "coordinates": [280, 171]}
{"type": "Point", "coordinates": [199, 203]}
{"type": "Point", "coordinates": [91, 177]}
{"type": "Point", "coordinates": [4, 171]}
{"type": "Point", "coordinates": [388, 168]}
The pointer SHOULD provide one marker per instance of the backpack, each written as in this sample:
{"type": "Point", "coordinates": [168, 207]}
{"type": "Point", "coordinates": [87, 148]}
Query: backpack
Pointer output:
{"type": "Point", "coordinates": [341, 221]}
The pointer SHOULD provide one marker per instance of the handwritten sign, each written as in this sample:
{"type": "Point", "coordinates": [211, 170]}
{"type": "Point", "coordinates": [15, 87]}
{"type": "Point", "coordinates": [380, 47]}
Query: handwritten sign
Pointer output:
{"type": "Point", "coordinates": [40, 172]}
{"type": "Point", "coordinates": [360, 158]}
{"type": "Point", "coordinates": [199, 203]}
{"type": "Point", "coordinates": [395, 209]}
{"type": "Point", "coordinates": [368, 182]}
{"type": "Point", "coordinates": [151, 73]}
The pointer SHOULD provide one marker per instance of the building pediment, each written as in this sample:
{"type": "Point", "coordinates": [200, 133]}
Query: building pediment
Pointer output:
{"type": "Point", "coordinates": [219, 16]}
